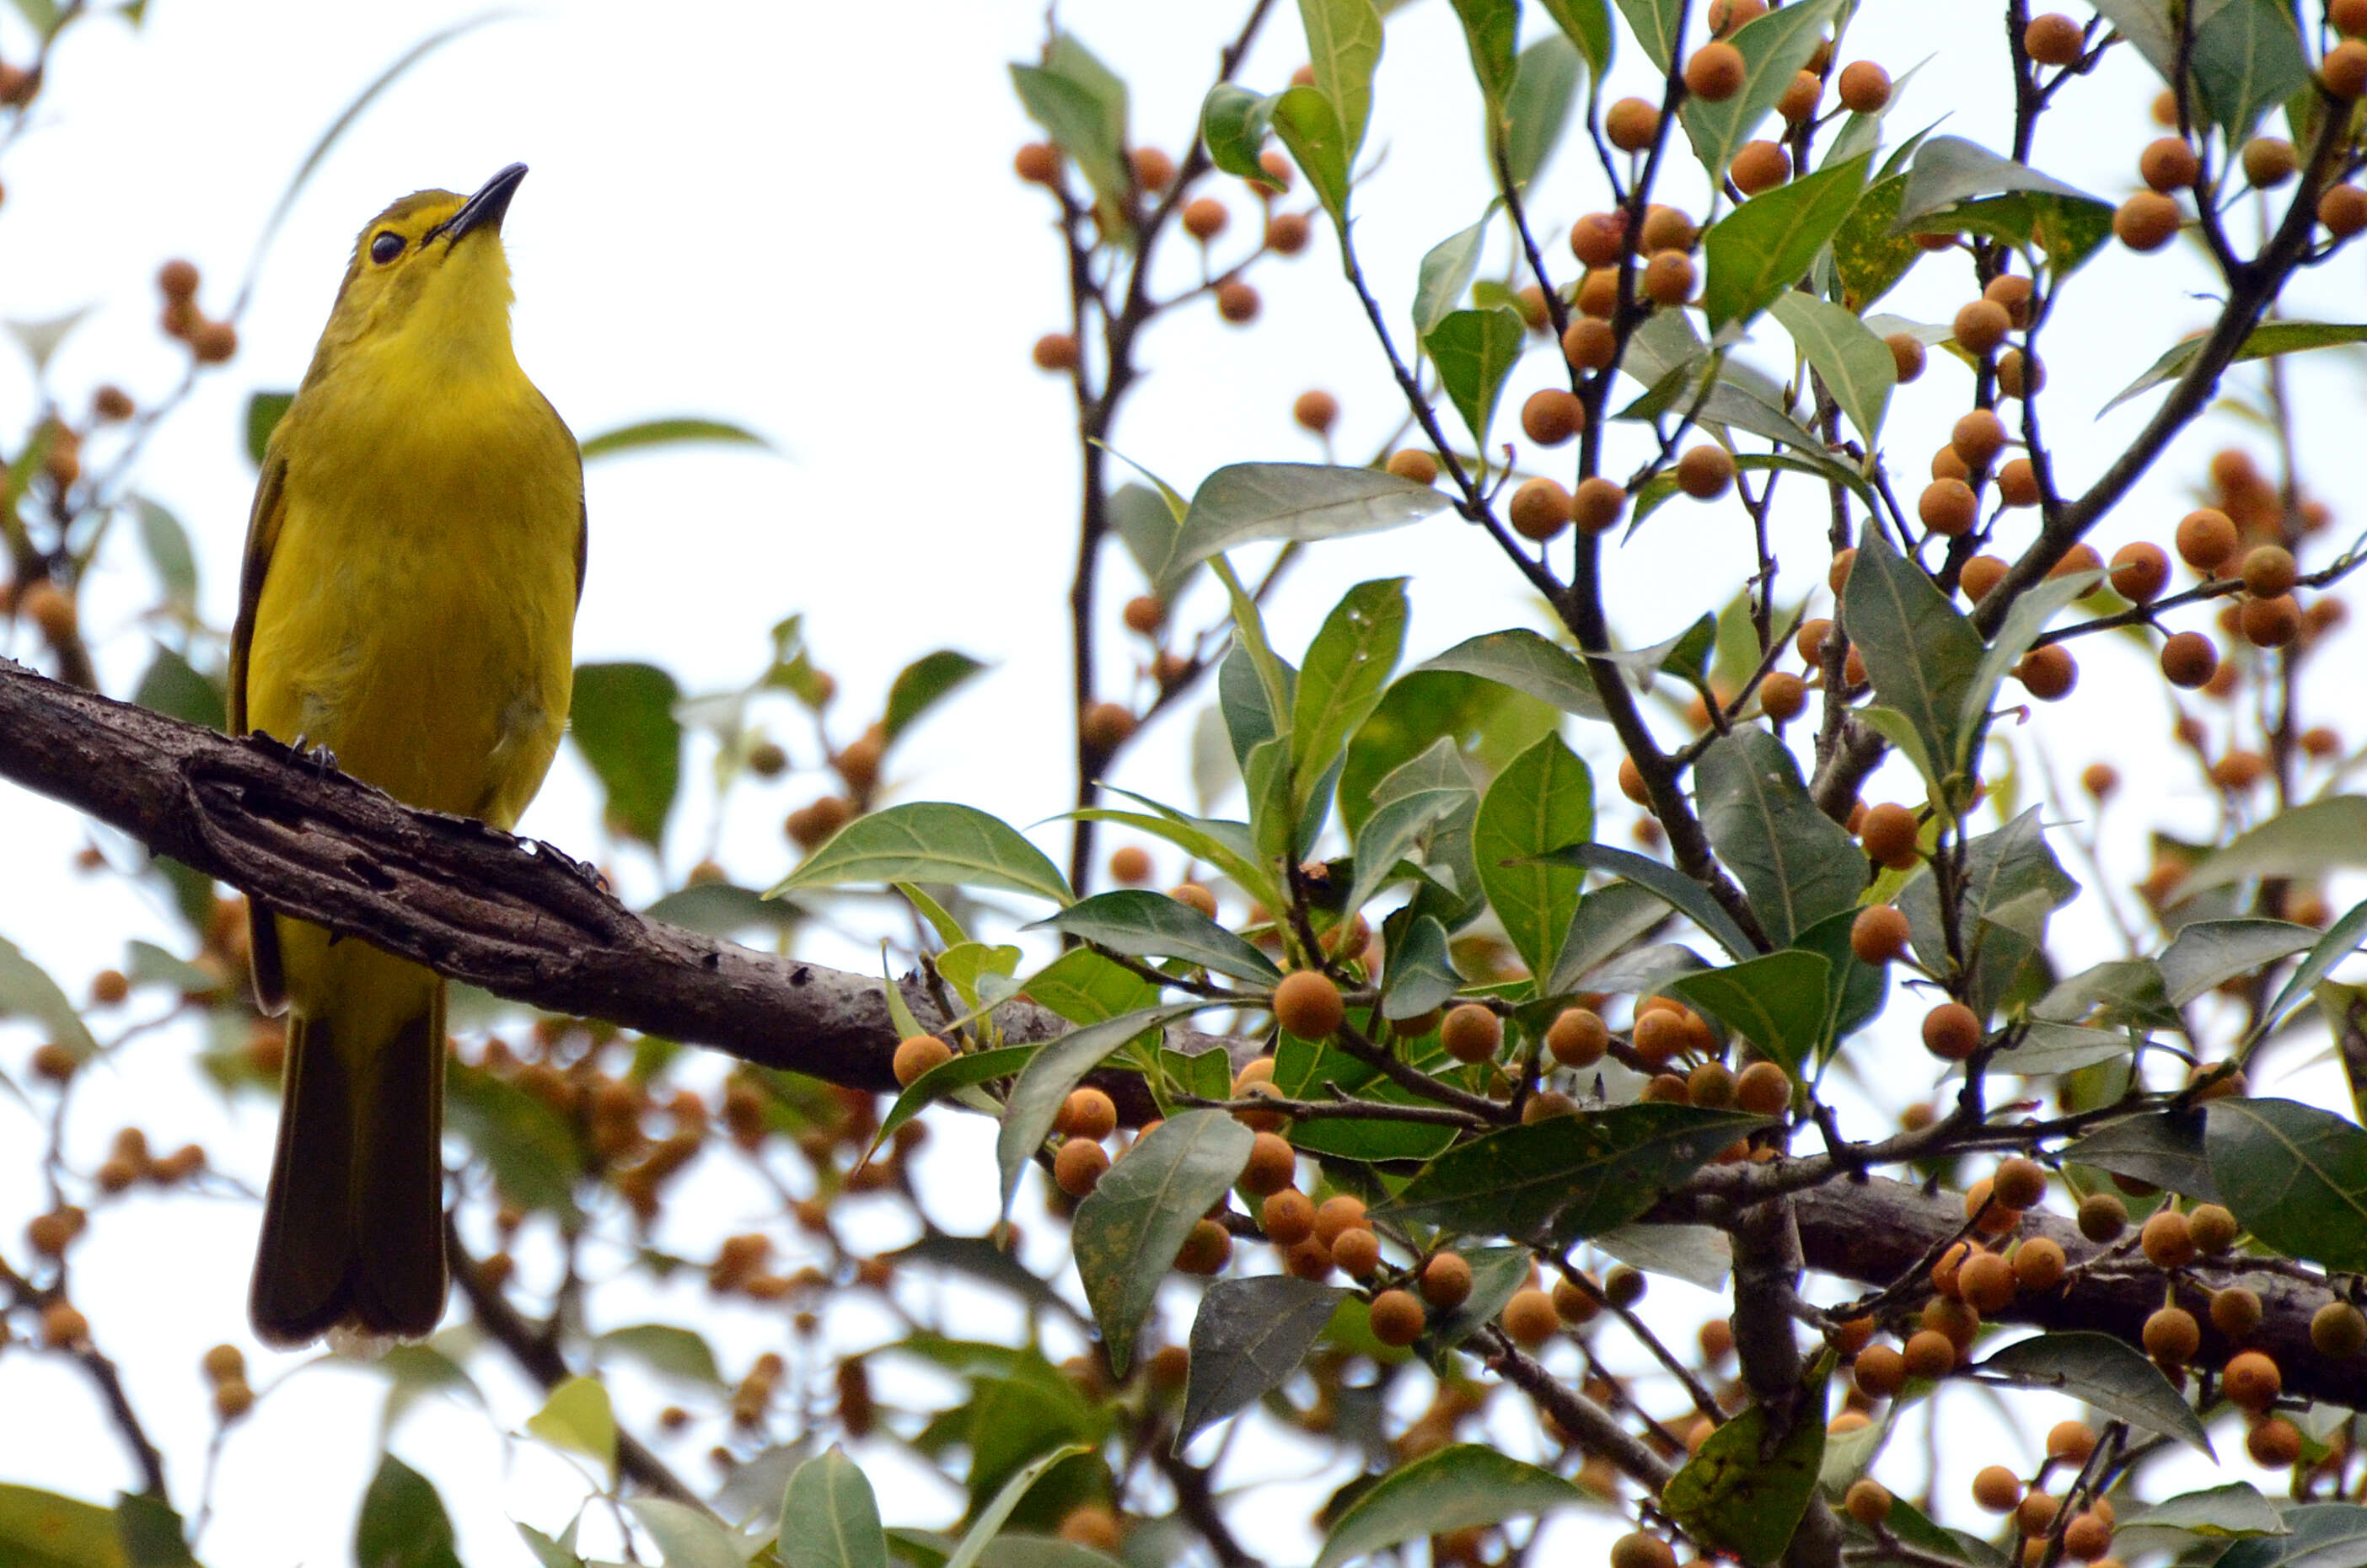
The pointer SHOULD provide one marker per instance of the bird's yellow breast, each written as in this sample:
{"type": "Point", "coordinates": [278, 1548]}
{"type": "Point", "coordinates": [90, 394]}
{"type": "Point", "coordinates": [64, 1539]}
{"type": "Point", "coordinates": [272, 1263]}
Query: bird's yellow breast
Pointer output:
{"type": "Point", "coordinates": [417, 613]}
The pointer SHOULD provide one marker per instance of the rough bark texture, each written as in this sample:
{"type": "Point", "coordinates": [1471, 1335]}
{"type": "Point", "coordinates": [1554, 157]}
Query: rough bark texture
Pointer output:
{"type": "Point", "coordinates": [527, 922]}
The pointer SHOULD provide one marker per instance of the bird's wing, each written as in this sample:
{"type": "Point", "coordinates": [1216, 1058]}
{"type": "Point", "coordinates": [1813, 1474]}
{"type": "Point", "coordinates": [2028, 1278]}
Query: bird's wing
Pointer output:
{"type": "Point", "coordinates": [262, 537]}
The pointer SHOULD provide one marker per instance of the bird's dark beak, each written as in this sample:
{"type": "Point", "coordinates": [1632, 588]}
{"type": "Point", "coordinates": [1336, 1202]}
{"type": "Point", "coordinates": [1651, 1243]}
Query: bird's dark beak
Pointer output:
{"type": "Point", "coordinates": [484, 210]}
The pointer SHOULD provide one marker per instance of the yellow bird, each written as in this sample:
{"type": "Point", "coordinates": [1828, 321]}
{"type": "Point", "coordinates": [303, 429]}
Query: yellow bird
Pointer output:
{"type": "Point", "coordinates": [414, 562]}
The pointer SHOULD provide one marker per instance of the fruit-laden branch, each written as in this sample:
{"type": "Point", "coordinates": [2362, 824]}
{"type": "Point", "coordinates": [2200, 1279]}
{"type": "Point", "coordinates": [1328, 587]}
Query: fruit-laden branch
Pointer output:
{"type": "Point", "coordinates": [531, 924]}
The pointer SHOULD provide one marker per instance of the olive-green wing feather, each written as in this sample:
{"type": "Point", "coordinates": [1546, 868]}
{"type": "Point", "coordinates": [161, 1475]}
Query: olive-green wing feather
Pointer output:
{"type": "Point", "coordinates": [262, 537]}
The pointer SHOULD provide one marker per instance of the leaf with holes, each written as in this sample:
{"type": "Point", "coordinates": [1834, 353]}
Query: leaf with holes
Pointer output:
{"type": "Point", "coordinates": [1128, 1231]}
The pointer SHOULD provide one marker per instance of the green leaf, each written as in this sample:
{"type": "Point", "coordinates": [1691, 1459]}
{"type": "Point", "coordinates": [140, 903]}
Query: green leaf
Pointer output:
{"type": "Point", "coordinates": [675, 431]}
{"type": "Point", "coordinates": [1086, 988]}
{"type": "Point", "coordinates": [2218, 1513]}
{"type": "Point", "coordinates": [1857, 367]}
{"type": "Point", "coordinates": [1672, 887]}
{"type": "Point", "coordinates": [1344, 46]}
{"type": "Point", "coordinates": [1766, 245]}
{"type": "Point", "coordinates": [1608, 922]}
{"type": "Point", "coordinates": [1244, 503]}
{"type": "Point", "coordinates": [1473, 351]}
{"type": "Point", "coordinates": [1869, 258]}
{"type": "Point", "coordinates": [1491, 31]}
{"type": "Point", "coordinates": [2341, 939]}
{"type": "Point", "coordinates": [1463, 1486]}
{"type": "Point", "coordinates": [2164, 1147]}
{"type": "Point", "coordinates": [2247, 55]}
{"type": "Point", "coordinates": [2265, 341]}
{"type": "Point", "coordinates": [1545, 88]}
{"type": "Point", "coordinates": [623, 721]}
{"type": "Point", "coordinates": [2113, 1377]}
{"type": "Point", "coordinates": [2012, 883]}
{"type": "Point", "coordinates": [28, 992]}
{"type": "Point", "coordinates": [1774, 47]}
{"type": "Point", "coordinates": [2324, 1535]}
{"type": "Point", "coordinates": [1797, 865]}
{"type": "Point", "coordinates": [1658, 25]}
{"type": "Point", "coordinates": [1233, 123]}
{"type": "Point", "coordinates": [664, 1348]}
{"type": "Point", "coordinates": [1145, 925]}
{"type": "Point", "coordinates": [1544, 802]}
{"type": "Point", "coordinates": [1083, 107]}
{"type": "Point", "coordinates": [1527, 663]}
{"type": "Point", "coordinates": [1779, 1003]}
{"type": "Point", "coordinates": [1225, 843]}
{"type": "Point", "coordinates": [1445, 272]}
{"type": "Point", "coordinates": [1309, 126]}
{"type": "Point", "coordinates": [719, 909]}
{"type": "Point", "coordinates": [264, 410]}
{"type": "Point", "coordinates": [1128, 1230]}
{"type": "Point", "coordinates": [152, 1534]}
{"type": "Point", "coordinates": [1746, 1487]}
{"type": "Point", "coordinates": [530, 1151]}
{"type": "Point", "coordinates": [1579, 1175]}
{"type": "Point", "coordinates": [963, 1072]}
{"type": "Point", "coordinates": [1948, 171]}
{"type": "Point", "coordinates": [1249, 1335]}
{"type": "Point", "coordinates": [1348, 666]}
{"type": "Point", "coordinates": [1056, 1069]}
{"type": "Point", "coordinates": [930, 841]}
{"type": "Point", "coordinates": [578, 1417]}
{"type": "Point", "coordinates": [1697, 1255]}
{"type": "Point", "coordinates": [173, 688]}
{"type": "Point", "coordinates": [1420, 974]}
{"type": "Point", "coordinates": [2296, 1177]}
{"type": "Point", "coordinates": [403, 1522]}
{"type": "Point", "coordinates": [2024, 625]}
{"type": "Point", "coordinates": [1395, 833]}
{"type": "Point", "coordinates": [920, 683]}
{"type": "Point", "coordinates": [1921, 655]}
{"type": "Point", "coordinates": [166, 544]}
{"type": "Point", "coordinates": [2208, 952]}
{"type": "Point", "coordinates": [829, 1517]}
{"type": "Point", "coordinates": [2306, 842]}
{"type": "Point", "coordinates": [687, 1537]}
{"type": "Point", "coordinates": [41, 1530]}
{"type": "Point", "coordinates": [1586, 23]}
{"type": "Point", "coordinates": [992, 1519]}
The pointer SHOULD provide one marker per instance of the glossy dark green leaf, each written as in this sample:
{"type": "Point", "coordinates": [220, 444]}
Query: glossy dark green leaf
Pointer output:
{"type": "Point", "coordinates": [2164, 1147]}
{"type": "Point", "coordinates": [1854, 989]}
{"type": "Point", "coordinates": [1544, 89]}
{"type": "Point", "coordinates": [966, 1071]}
{"type": "Point", "coordinates": [1798, 866]}
{"type": "Point", "coordinates": [1765, 245]}
{"type": "Point", "coordinates": [1473, 351]}
{"type": "Point", "coordinates": [166, 544]}
{"type": "Point", "coordinates": [1656, 25]}
{"type": "Point", "coordinates": [1128, 1233]}
{"type": "Point", "coordinates": [1697, 1255]}
{"type": "Point", "coordinates": [1526, 662]}
{"type": "Point", "coordinates": [1920, 654]}
{"type": "Point", "coordinates": [2246, 56]}
{"type": "Point", "coordinates": [42, 1530]}
{"type": "Point", "coordinates": [1672, 887]}
{"type": "Point", "coordinates": [1608, 920]}
{"type": "Point", "coordinates": [1347, 670]}
{"type": "Point", "coordinates": [1466, 1485]}
{"type": "Point", "coordinates": [668, 1349]}
{"type": "Point", "coordinates": [264, 410]}
{"type": "Point", "coordinates": [2324, 1535]}
{"type": "Point", "coordinates": [720, 909]}
{"type": "Point", "coordinates": [2120, 992]}
{"type": "Point", "coordinates": [1774, 46]}
{"type": "Point", "coordinates": [1586, 23]}
{"type": "Point", "coordinates": [1057, 1068]}
{"type": "Point", "coordinates": [1233, 123]}
{"type": "Point", "coordinates": [1869, 258]}
{"type": "Point", "coordinates": [2296, 1177]}
{"type": "Point", "coordinates": [1224, 843]}
{"type": "Point", "coordinates": [1307, 1070]}
{"type": "Point", "coordinates": [532, 1152]}
{"type": "Point", "coordinates": [1246, 503]}
{"type": "Point", "coordinates": [1248, 1336]}
{"type": "Point", "coordinates": [1578, 1175]}
{"type": "Point", "coordinates": [829, 1517]}
{"type": "Point", "coordinates": [403, 1522]}
{"type": "Point", "coordinates": [2265, 341]}
{"type": "Point", "coordinates": [2098, 1369]}
{"type": "Point", "coordinates": [1779, 1003]}
{"type": "Point", "coordinates": [991, 1518]}
{"type": "Point", "coordinates": [1747, 1486]}
{"type": "Point", "coordinates": [1141, 924]}
{"type": "Point", "coordinates": [1857, 367]}
{"type": "Point", "coordinates": [173, 688]}
{"type": "Point", "coordinates": [1544, 802]}
{"type": "Point", "coordinates": [623, 721]}
{"type": "Point", "coordinates": [930, 841]}
{"type": "Point", "coordinates": [1421, 973]}
{"type": "Point", "coordinates": [1491, 31]}
{"type": "Point", "coordinates": [2061, 1047]}
{"type": "Point", "coordinates": [2305, 842]}
{"type": "Point", "coordinates": [2012, 882]}
{"type": "Point", "coordinates": [675, 432]}
{"type": "Point", "coordinates": [2207, 952]}
{"type": "Point", "coordinates": [920, 683]}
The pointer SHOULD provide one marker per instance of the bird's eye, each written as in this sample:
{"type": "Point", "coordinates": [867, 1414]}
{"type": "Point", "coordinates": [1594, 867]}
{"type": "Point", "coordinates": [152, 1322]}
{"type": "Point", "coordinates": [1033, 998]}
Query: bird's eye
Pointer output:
{"type": "Point", "coordinates": [386, 247]}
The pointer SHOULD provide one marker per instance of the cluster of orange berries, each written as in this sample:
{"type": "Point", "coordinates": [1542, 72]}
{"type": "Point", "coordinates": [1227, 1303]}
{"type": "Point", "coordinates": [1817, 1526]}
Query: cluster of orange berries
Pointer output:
{"type": "Point", "coordinates": [2039, 1518]}
{"type": "Point", "coordinates": [211, 342]}
{"type": "Point", "coordinates": [129, 1162]}
{"type": "Point", "coordinates": [225, 1370]}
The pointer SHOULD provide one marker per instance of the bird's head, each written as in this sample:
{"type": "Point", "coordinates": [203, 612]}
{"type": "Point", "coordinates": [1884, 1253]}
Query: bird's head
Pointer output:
{"type": "Point", "coordinates": [429, 273]}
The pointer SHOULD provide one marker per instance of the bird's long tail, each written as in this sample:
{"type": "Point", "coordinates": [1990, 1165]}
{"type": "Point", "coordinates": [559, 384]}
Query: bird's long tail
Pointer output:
{"type": "Point", "coordinates": [352, 1224]}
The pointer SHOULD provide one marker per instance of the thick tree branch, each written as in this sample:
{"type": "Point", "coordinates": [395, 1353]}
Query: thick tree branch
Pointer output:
{"type": "Point", "coordinates": [531, 924]}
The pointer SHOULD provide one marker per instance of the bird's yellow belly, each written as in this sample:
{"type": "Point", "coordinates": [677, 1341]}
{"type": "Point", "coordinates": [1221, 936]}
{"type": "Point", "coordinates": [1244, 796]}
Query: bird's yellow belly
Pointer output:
{"type": "Point", "coordinates": [417, 624]}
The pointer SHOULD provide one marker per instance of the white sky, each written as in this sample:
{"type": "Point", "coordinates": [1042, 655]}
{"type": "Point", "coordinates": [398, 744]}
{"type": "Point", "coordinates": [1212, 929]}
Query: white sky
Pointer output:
{"type": "Point", "coordinates": [801, 218]}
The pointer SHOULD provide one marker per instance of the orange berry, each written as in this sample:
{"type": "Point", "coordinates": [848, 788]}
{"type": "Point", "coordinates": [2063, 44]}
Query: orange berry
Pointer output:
{"type": "Point", "coordinates": [1308, 1005]}
{"type": "Point", "coordinates": [917, 1055]}
{"type": "Point", "coordinates": [1204, 218]}
{"type": "Point", "coordinates": [1631, 124]}
{"type": "Point", "coordinates": [1864, 87]}
{"type": "Point", "coordinates": [2342, 209]}
{"type": "Point", "coordinates": [2146, 221]}
{"type": "Point", "coordinates": [1763, 1089]}
{"type": "Point", "coordinates": [1590, 343]}
{"type": "Point", "coordinates": [1286, 233]}
{"type": "Point", "coordinates": [1987, 1282]}
{"type": "Point", "coordinates": [1153, 170]}
{"type": "Point", "coordinates": [1206, 1248]}
{"type": "Point", "coordinates": [1705, 471]}
{"type": "Point", "coordinates": [1996, 1490]}
{"type": "Point", "coordinates": [1471, 1033]}
{"type": "Point", "coordinates": [1760, 166]}
{"type": "Point", "coordinates": [1195, 896]}
{"type": "Point", "coordinates": [2140, 570]}
{"type": "Point", "coordinates": [1879, 935]}
{"type": "Point", "coordinates": [1783, 697]}
{"type": "Point", "coordinates": [2169, 163]}
{"type": "Point", "coordinates": [2169, 1240]}
{"type": "Point", "coordinates": [1578, 1036]}
{"type": "Point", "coordinates": [1397, 1318]}
{"type": "Point", "coordinates": [1037, 163]}
{"type": "Point", "coordinates": [2252, 1381]}
{"type": "Point", "coordinates": [2171, 1336]}
{"type": "Point", "coordinates": [2039, 1264]}
{"type": "Point", "coordinates": [1552, 415]}
{"type": "Point", "coordinates": [2235, 1312]}
{"type": "Point", "coordinates": [1880, 1371]}
{"type": "Point", "coordinates": [1356, 1253]}
{"type": "Point", "coordinates": [1867, 1501]}
{"type": "Point", "coordinates": [1981, 326]}
{"type": "Point", "coordinates": [1951, 1031]}
{"type": "Point", "coordinates": [1540, 509]}
{"type": "Point", "coordinates": [1287, 1218]}
{"type": "Point", "coordinates": [2019, 1183]}
{"type": "Point", "coordinates": [1446, 1281]}
{"type": "Point", "coordinates": [1413, 463]}
{"type": "Point", "coordinates": [2269, 161]}
{"type": "Point", "coordinates": [1338, 1215]}
{"type": "Point", "coordinates": [1272, 1165]}
{"type": "Point", "coordinates": [1597, 504]}
{"type": "Point", "coordinates": [2102, 1217]}
{"type": "Point", "coordinates": [1669, 279]}
{"type": "Point", "coordinates": [1798, 103]}
{"type": "Point", "coordinates": [2337, 1331]}
{"type": "Point", "coordinates": [2070, 1441]}
{"type": "Point", "coordinates": [1086, 1113]}
{"type": "Point", "coordinates": [1056, 351]}
{"type": "Point", "coordinates": [1928, 1353]}
{"type": "Point", "coordinates": [2274, 1444]}
{"type": "Point", "coordinates": [1640, 1551]}
{"type": "Point", "coordinates": [2052, 40]}
{"type": "Point", "coordinates": [1237, 301]}
{"type": "Point", "coordinates": [1599, 239]}
{"type": "Point", "coordinates": [1077, 1169]}
{"type": "Point", "coordinates": [1716, 72]}
{"type": "Point", "coordinates": [1530, 1318]}
{"type": "Point", "coordinates": [1907, 354]}
{"type": "Point", "coordinates": [1317, 411]}
{"type": "Point", "coordinates": [2188, 659]}
{"type": "Point", "coordinates": [1948, 506]}
{"type": "Point", "coordinates": [2048, 673]}
{"type": "Point", "coordinates": [1889, 836]}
